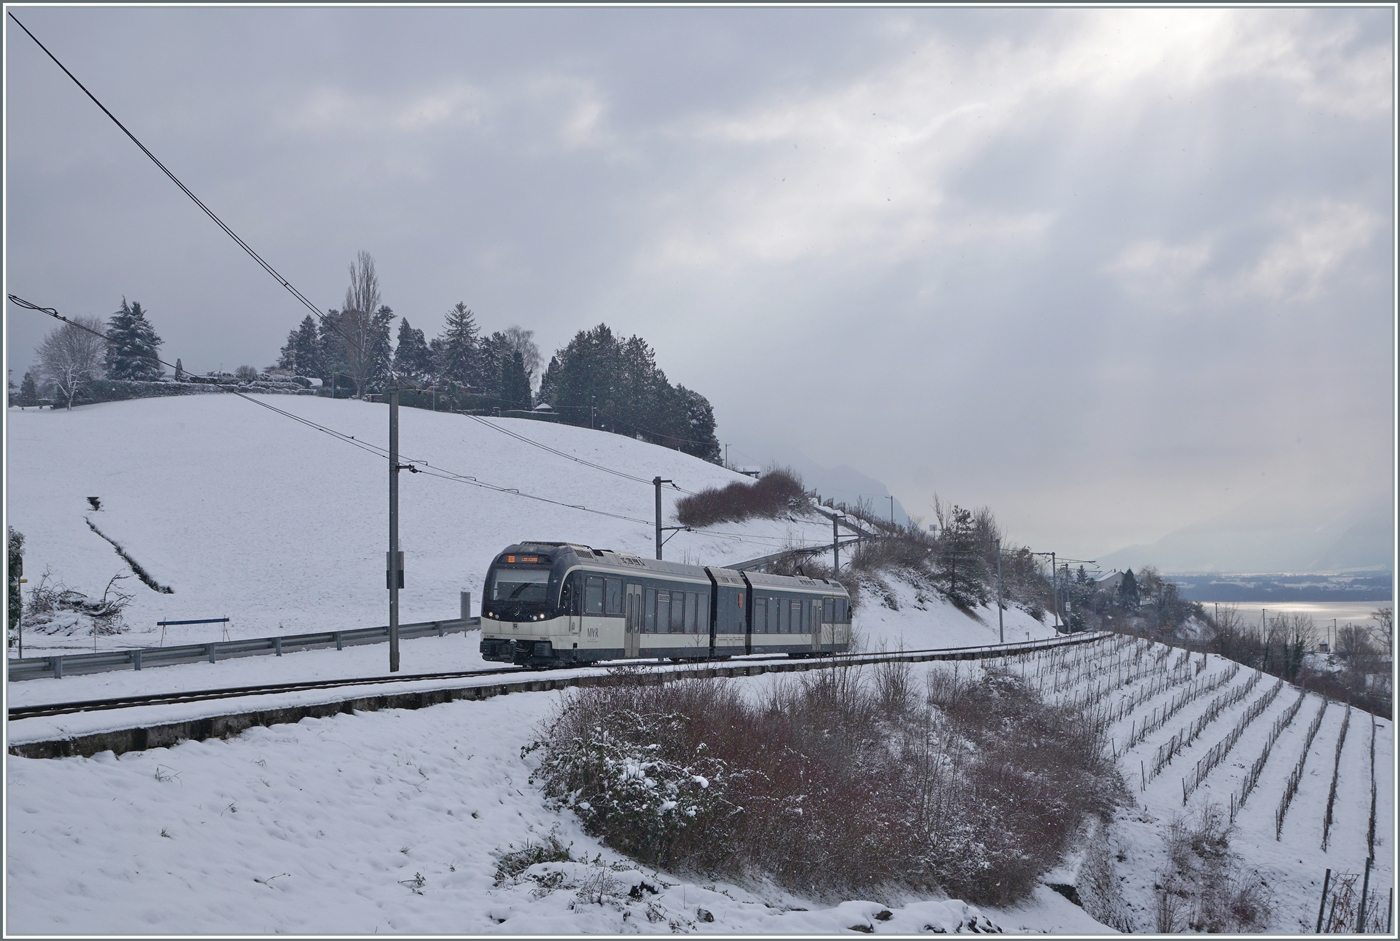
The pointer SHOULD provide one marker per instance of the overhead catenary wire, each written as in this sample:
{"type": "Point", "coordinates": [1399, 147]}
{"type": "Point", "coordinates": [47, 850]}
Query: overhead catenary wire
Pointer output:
{"type": "Point", "coordinates": [302, 298]}
{"type": "Point", "coordinates": [618, 473]}
{"type": "Point", "coordinates": [631, 424]}
{"type": "Point", "coordinates": [425, 466]}
{"type": "Point", "coordinates": [374, 449]}
{"type": "Point", "coordinates": [552, 450]}
{"type": "Point", "coordinates": [329, 322]}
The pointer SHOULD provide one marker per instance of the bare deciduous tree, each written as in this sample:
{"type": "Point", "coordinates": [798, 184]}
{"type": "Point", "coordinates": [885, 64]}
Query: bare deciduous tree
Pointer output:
{"type": "Point", "coordinates": [1385, 628]}
{"type": "Point", "coordinates": [71, 356]}
{"type": "Point", "coordinates": [363, 293]}
{"type": "Point", "coordinates": [362, 321]}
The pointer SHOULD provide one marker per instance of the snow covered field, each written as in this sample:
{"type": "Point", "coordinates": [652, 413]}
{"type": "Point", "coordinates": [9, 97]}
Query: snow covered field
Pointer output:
{"type": "Point", "coordinates": [391, 821]}
{"type": "Point", "coordinates": [283, 529]}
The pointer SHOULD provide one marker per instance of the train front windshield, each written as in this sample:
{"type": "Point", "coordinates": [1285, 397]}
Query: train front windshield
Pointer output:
{"type": "Point", "coordinates": [520, 585]}
{"type": "Point", "coordinates": [518, 592]}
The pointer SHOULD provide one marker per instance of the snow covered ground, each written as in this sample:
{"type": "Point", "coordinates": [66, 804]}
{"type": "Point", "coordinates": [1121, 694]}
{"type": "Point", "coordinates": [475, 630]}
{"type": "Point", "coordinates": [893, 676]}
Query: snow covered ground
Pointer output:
{"type": "Point", "coordinates": [380, 822]}
{"type": "Point", "coordinates": [248, 514]}
{"type": "Point", "coordinates": [392, 821]}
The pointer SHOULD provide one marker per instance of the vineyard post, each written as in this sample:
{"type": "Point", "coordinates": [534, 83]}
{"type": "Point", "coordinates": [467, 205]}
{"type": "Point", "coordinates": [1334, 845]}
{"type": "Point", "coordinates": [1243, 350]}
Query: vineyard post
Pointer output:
{"type": "Point", "coordinates": [1327, 878]}
{"type": "Point", "coordinates": [1361, 908]}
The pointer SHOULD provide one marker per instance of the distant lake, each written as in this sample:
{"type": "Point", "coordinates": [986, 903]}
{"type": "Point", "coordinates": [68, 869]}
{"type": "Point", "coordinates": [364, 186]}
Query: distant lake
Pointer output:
{"type": "Point", "coordinates": [1269, 590]}
{"type": "Point", "coordinates": [1322, 612]}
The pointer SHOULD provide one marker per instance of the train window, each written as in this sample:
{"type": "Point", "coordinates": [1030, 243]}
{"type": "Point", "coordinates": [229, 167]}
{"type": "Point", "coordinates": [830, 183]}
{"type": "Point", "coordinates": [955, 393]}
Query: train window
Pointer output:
{"type": "Point", "coordinates": [799, 622]}
{"type": "Point", "coordinates": [663, 612]}
{"type": "Point", "coordinates": [703, 615]}
{"type": "Point", "coordinates": [593, 595]}
{"type": "Point", "coordinates": [828, 610]}
{"type": "Point", "coordinates": [649, 607]}
{"type": "Point", "coordinates": [692, 602]}
{"type": "Point", "coordinates": [612, 601]}
{"type": "Point", "coordinates": [677, 612]}
{"type": "Point", "coordinates": [759, 626]}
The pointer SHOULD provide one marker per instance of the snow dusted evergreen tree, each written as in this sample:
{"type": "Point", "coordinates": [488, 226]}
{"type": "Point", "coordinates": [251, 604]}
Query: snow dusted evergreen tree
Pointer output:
{"type": "Point", "coordinates": [523, 341]}
{"type": "Point", "coordinates": [14, 600]}
{"type": "Point", "coordinates": [457, 350]}
{"type": "Point", "coordinates": [515, 382]}
{"type": "Point", "coordinates": [132, 345]}
{"type": "Point", "coordinates": [960, 568]}
{"type": "Point", "coordinates": [179, 370]}
{"type": "Point", "coordinates": [413, 360]}
{"type": "Point", "coordinates": [699, 425]}
{"type": "Point", "coordinates": [617, 386]}
{"type": "Point", "coordinates": [29, 389]}
{"type": "Point", "coordinates": [1128, 591]}
{"type": "Point", "coordinates": [330, 346]}
{"type": "Point", "coordinates": [302, 353]}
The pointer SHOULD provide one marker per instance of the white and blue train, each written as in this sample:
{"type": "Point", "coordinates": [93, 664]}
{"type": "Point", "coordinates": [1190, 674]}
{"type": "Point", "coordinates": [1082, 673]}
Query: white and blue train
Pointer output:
{"type": "Point", "coordinates": [557, 604]}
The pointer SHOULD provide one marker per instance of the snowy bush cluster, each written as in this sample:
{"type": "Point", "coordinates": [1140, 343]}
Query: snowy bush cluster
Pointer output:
{"type": "Point", "coordinates": [845, 781]}
{"type": "Point", "coordinates": [54, 608]}
{"type": "Point", "coordinates": [1204, 887]}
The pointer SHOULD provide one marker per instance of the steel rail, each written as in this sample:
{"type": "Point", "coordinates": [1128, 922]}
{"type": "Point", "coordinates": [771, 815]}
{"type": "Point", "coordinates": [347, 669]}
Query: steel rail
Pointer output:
{"type": "Point", "coordinates": [39, 710]}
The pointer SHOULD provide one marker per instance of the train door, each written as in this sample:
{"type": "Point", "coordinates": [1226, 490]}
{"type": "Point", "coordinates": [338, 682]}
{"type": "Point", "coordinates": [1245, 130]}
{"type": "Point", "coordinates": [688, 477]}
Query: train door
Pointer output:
{"type": "Point", "coordinates": [632, 639]}
{"type": "Point", "coordinates": [815, 607]}
{"type": "Point", "coordinates": [572, 603]}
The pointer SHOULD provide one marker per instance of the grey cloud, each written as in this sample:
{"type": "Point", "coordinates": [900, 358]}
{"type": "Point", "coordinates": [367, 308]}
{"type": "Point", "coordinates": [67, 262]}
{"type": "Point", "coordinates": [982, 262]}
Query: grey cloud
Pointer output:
{"type": "Point", "coordinates": [1090, 268]}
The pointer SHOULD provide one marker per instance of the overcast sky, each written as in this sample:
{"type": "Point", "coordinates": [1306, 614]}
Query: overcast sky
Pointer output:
{"type": "Point", "coordinates": [1119, 275]}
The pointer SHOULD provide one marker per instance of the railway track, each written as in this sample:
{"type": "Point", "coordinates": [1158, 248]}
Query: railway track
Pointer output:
{"type": "Point", "coordinates": [269, 689]}
{"type": "Point", "coordinates": [235, 692]}
{"type": "Point", "coordinates": [140, 735]}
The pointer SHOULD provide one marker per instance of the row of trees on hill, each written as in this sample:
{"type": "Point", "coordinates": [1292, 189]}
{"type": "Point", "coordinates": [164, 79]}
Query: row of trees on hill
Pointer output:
{"type": "Point", "coordinates": [602, 381]}
{"type": "Point", "coordinates": [356, 345]}
{"type": "Point", "coordinates": [597, 380]}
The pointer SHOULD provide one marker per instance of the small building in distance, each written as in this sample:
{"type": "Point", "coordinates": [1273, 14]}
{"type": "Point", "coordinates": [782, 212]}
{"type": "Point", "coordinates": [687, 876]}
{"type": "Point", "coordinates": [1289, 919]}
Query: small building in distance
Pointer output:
{"type": "Point", "coordinates": [1109, 582]}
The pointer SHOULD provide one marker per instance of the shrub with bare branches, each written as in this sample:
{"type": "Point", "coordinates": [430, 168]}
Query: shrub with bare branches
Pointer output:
{"type": "Point", "coordinates": [860, 784]}
{"type": "Point", "coordinates": [1205, 887]}
{"type": "Point", "coordinates": [777, 492]}
{"type": "Point", "coordinates": [54, 608]}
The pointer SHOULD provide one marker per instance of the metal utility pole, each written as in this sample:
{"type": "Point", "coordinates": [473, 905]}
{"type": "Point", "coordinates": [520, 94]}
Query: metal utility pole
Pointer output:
{"type": "Point", "coordinates": [891, 511]}
{"type": "Point", "coordinates": [657, 481]}
{"type": "Point", "coordinates": [1001, 628]}
{"type": "Point", "coordinates": [835, 548]}
{"type": "Point", "coordinates": [393, 560]}
{"type": "Point", "coordinates": [1054, 597]}
{"type": "Point", "coordinates": [393, 568]}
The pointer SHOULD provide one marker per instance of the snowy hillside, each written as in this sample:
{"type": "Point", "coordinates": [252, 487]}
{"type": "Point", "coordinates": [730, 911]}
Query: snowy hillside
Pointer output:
{"type": "Point", "coordinates": [248, 514]}
{"type": "Point", "coordinates": [395, 821]}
